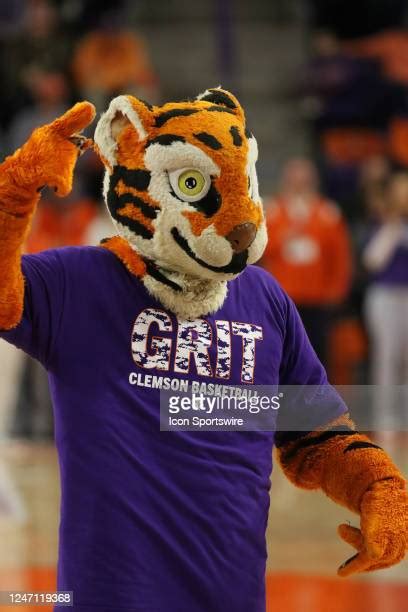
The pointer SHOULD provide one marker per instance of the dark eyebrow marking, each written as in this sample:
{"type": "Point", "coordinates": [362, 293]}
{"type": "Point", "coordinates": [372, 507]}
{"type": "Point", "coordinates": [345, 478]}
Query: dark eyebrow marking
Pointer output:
{"type": "Point", "coordinates": [165, 139]}
{"type": "Point", "coordinates": [219, 97]}
{"type": "Point", "coordinates": [209, 140]}
{"type": "Point", "coordinates": [175, 112]}
{"type": "Point", "coordinates": [219, 109]}
{"type": "Point", "coordinates": [138, 178]}
{"type": "Point", "coordinates": [248, 133]}
{"type": "Point", "coordinates": [236, 136]}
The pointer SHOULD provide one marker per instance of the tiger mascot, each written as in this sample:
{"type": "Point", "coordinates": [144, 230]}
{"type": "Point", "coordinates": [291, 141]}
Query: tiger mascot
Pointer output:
{"type": "Point", "coordinates": [174, 521]}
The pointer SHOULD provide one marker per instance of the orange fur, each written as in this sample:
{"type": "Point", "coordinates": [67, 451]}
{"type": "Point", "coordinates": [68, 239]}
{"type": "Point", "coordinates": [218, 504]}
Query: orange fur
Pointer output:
{"type": "Point", "coordinates": [121, 248]}
{"type": "Point", "coordinates": [132, 212]}
{"type": "Point", "coordinates": [316, 466]}
{"type": "Point", "coordinates": [122, 188]}
{"type": "Point", "coordinates": [383, 538]}
{"type": "Point", "coordinates": [365, 481]}
{"type": "Point", "coordinates": [130, 152]}
{"type": "Point", "coordinates": [47, 158]}
{"type": "Point", "coordinates": [237, 207]}
{"type": "Point", "coordinates": [15, 230]}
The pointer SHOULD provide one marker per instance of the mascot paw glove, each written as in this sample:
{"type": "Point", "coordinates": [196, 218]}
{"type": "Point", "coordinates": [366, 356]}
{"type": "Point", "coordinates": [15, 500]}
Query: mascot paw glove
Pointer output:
{"type": "Point", "coordinates": [383, 538]}
{"type": "Point", "coordinates": [50, 154]}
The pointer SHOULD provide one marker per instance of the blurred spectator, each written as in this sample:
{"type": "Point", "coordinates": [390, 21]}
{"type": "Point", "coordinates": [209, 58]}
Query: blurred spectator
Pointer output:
{"type": "Point", "coordinates": [386, 259]}
{"type": "Point", "coordinates": [308, 250]}
{"type": "Point", "coordinates": [351, 104]}
{"type": "Point", "coordinates": [112, 60]}
{"type": "Point", "coordinates": [40, 46]}
{"type": "Point", "coordinates": [364, 209]}
{"type": "Point", "coordinates": [61, 223]}
{"type": "Point", "coordinates": [367, 199]}
{"type": "Point", "coordinates": [390, 47]}
{"type": "Point", "coordinates": [374, 176]}
{"type": "Point", "coordinates": [344, 87]}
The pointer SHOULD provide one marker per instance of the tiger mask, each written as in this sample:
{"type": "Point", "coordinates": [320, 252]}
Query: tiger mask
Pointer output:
{"type": "Point", "coordinates": [182, 189]}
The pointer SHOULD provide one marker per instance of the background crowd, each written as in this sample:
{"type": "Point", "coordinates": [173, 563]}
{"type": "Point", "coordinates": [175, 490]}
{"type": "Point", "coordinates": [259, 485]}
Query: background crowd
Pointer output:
{"type": "Point", "coordinates": [337, 209]}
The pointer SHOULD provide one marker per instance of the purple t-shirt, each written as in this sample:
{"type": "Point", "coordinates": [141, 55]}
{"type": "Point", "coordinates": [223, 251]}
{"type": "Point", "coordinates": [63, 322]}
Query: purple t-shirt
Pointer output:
{"type": "Point", "coordinates": [153, 520]}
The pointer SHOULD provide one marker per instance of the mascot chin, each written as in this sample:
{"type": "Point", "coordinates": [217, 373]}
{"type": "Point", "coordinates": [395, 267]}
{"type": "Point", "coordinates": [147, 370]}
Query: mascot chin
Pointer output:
{"type": "Point", "coordinates": [174, 520]}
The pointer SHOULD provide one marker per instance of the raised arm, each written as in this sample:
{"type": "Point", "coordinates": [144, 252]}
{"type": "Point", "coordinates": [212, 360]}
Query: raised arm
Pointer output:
{"type": "Point", "coordinates": [47, 158]}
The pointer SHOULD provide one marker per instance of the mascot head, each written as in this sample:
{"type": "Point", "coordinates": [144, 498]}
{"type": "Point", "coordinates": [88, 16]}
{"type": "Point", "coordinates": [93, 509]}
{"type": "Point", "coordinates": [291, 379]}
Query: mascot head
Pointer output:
{"type": "Point", "coordinates": [182, 189]}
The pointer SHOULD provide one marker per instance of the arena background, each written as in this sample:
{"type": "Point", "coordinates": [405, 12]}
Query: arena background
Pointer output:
{"type": "Point", "coordinates": [325, 85]}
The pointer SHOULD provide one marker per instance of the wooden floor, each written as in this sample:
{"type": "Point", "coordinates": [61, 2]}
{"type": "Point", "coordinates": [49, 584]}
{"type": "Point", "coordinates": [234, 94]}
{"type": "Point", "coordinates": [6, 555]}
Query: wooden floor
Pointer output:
{"type": "Point", "coordinates": [304, 550]}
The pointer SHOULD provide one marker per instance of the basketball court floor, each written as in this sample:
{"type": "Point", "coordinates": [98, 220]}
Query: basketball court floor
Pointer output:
{"type": "Point", "coordinates": [304, 550]}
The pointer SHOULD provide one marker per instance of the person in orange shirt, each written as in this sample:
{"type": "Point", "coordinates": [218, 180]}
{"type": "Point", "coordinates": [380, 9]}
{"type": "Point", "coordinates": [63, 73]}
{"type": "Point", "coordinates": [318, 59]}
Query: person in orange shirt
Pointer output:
{"type": "Point", "coordinates": [309, 251]}
{"type": "Point", "coordinates": [112, 59]}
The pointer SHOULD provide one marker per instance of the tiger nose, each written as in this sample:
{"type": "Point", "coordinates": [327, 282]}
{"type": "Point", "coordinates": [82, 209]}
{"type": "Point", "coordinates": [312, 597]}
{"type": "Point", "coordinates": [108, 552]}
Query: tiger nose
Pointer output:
{"type": "Point", "coordinates": [241, 237]}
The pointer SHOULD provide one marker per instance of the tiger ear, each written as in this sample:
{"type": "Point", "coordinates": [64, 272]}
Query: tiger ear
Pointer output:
{"type": "Point", "coordinates": [222, 97]}
{"type": "Point", "coordinates": [122, 112]}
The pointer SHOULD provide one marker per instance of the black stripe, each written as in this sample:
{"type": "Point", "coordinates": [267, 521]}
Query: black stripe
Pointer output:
{"type": "Point", "coordinates": [135, 226]}
{"type": "Point", "coordinates": [157, 275]}
{"type": "Point", "coordinates": [356, 445]}
{"type": "Point", "coordinates": [208, 140]}
{"type": "Point", "coordinates": [147, 104]}
{"type": "Point", "coordinates": [115, 203]}
{"type": "Point", "coordinates": [219, 97]}
{"type": "Point", "coordinates": [138, 179]}
{"type": "Point", "coordinates": [166, 139]}
{"type": "Point", "coordinates": [316, 440]}
{"type": "Point", "coordinates": [248, 133]}
{"type": "Point", "coordinates": [285, 437]}
{"type": "Point", "coordinates": [128, 198]}
{"type": "Point", "coordinates": [175, 112]}
{"type": "Point", "coordinates": [219, 109]}
{"type": "Point", "coordinates": [236, 136]}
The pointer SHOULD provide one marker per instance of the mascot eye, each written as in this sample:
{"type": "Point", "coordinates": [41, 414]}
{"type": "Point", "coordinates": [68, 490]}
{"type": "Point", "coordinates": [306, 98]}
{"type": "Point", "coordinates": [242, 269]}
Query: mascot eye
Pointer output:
{"type": "Point", "coordinates": [189, 185]}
